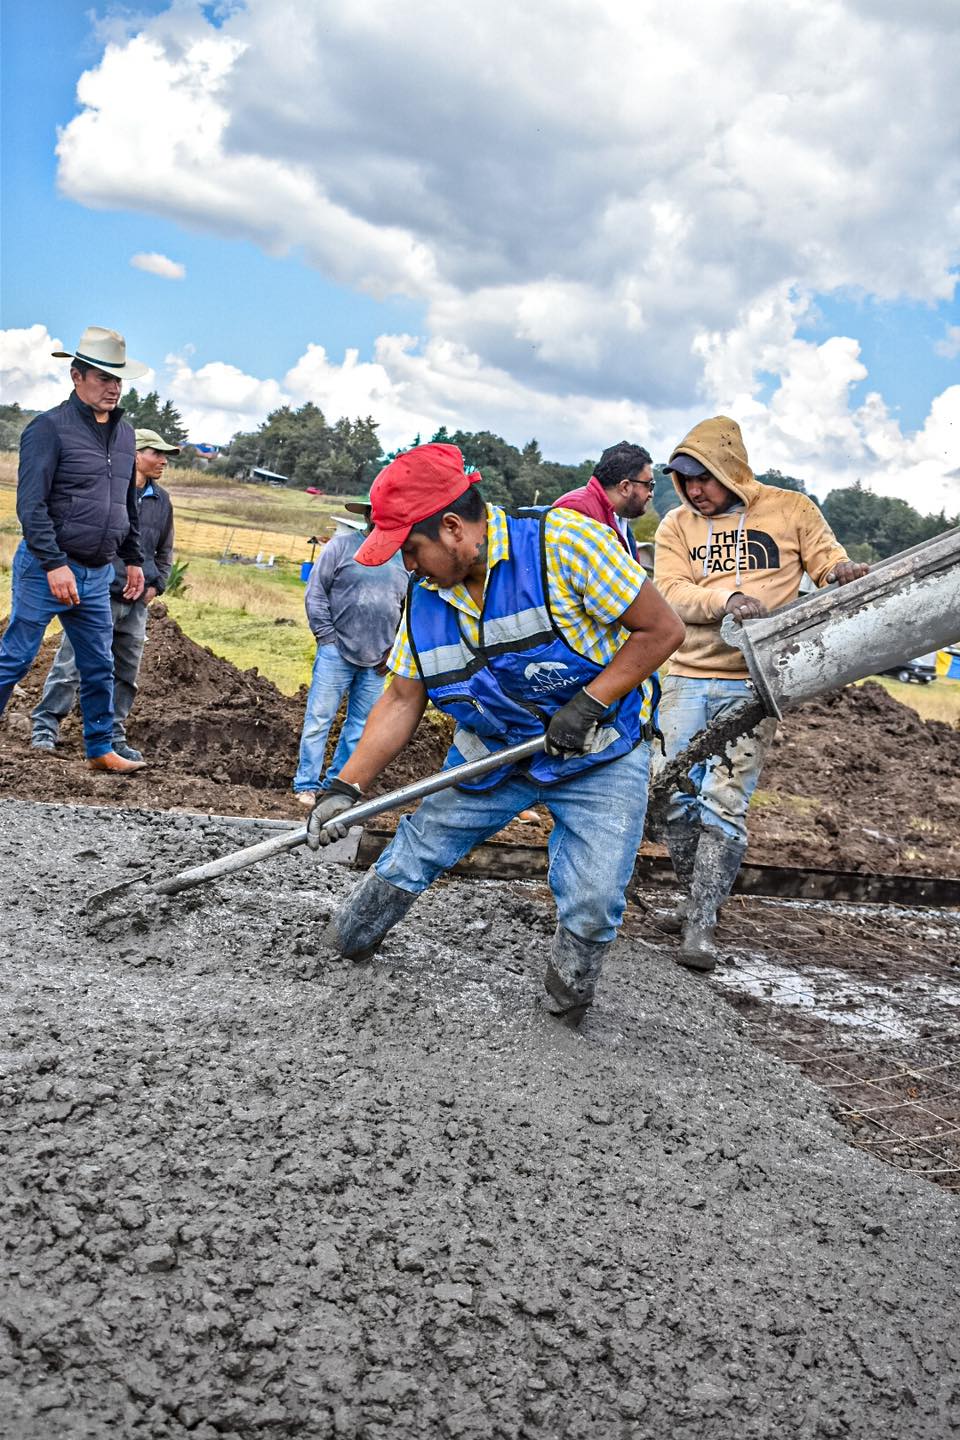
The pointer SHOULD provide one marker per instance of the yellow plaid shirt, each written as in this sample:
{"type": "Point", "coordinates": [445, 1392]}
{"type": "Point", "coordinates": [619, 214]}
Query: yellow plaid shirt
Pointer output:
{"type": "Point", "coordinates": [591, 579]}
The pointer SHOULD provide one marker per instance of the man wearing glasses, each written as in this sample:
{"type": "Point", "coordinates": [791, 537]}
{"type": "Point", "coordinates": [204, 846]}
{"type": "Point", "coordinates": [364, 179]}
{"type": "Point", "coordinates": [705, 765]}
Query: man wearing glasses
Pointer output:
{"type": "Point", "coordinates": [618, 491]}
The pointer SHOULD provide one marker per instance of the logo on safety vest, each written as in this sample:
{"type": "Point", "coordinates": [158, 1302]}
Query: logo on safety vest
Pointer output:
{"type": "Point", "coordinates": [547, 676]}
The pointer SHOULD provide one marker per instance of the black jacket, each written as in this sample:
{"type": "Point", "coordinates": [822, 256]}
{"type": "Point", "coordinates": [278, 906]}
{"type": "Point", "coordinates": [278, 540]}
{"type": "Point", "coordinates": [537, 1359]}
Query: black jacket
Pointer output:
{"type": "Point", "coordinates": [76, 490]}
{"type": "Point", "coordinates": [156, 540]}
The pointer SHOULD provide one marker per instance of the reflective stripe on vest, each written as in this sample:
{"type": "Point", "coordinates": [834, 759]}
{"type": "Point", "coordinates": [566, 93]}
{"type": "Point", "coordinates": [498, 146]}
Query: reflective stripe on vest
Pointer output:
{"type": "Point", "coordinates": [522, 670]}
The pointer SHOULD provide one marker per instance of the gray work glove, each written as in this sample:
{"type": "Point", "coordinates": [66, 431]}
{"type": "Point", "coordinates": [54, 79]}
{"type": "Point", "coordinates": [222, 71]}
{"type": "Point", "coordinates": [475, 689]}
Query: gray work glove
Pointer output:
{"type": "Point", "coordinates": [340, 796]}
{"type": "Point", "coordinates": [569, 730]}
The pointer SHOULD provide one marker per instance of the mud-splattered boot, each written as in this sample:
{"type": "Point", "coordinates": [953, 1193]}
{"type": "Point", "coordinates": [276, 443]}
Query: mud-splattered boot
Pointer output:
{"type": "Point", "coordinates": [681, 838]}
{"type": "Point", "coordinates": [717, 865]}
{"type": "Point", "coordinates": [369, 912]}
{"type": "Point", "coordinates": [571, 976]}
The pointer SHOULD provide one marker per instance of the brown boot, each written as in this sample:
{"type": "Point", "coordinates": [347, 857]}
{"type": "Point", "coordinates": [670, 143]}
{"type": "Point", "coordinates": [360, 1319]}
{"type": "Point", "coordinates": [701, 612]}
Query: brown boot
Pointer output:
{"type": "Point", "coordinates": [115, 764]}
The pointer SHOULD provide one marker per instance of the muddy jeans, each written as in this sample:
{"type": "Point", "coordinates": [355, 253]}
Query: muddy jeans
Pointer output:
{"type": "Point", "coordinates": [63, 678]}
{"type": "Point", "coordinates": [597, 828]}
{"type": "Point", "coordinates": [688, 705]}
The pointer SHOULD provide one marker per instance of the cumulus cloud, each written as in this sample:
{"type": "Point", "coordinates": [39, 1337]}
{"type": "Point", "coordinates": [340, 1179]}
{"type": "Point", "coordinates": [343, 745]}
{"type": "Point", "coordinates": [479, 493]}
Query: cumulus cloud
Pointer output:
{"type": "Point", "coordinates": [615, 217]}
{"type": "Point", "coordinates": [29, 375]}
{"type": "Point", "coordinates": [155, 264]}
{"type": "Point", "coordinates": [808, 426]}
{"type": "Point", "coordinates": [216, 400]}
{"type": "Point", "coordinates": [575, 221]}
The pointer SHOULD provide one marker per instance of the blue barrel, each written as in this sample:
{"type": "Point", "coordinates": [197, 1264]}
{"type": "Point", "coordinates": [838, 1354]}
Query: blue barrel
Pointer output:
{"type": "Point", "coordinates": [305, 568]}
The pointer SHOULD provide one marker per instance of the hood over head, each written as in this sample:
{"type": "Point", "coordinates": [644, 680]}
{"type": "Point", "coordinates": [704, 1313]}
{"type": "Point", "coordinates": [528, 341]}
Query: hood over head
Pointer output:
{"type": "Point", "coordinates": [718, 445]}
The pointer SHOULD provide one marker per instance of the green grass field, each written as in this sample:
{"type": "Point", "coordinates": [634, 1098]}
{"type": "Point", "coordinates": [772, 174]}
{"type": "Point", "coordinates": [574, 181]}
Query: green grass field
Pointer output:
{"type": "Point", "coordinates": [198, 495]}
{"type": "Point", "coordinates": [235, 611]}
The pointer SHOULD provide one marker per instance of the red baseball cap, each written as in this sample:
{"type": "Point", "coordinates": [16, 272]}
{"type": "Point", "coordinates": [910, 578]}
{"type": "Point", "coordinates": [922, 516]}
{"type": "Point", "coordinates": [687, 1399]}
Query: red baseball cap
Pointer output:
{"type": "Point", "coordinates": [415, 485]}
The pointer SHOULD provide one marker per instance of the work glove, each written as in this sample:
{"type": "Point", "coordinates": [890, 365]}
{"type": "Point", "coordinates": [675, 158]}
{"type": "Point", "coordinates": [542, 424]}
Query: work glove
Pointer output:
{"type": "Point", "coordinates": [569, 730]}
{"type": "Point", "coordinates": [339, 797]}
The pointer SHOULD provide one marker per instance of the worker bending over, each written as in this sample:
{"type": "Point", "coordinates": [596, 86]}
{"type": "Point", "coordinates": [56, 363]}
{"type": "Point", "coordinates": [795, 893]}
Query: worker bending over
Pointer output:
{"type": "Point", "coordinates": [512, 627]}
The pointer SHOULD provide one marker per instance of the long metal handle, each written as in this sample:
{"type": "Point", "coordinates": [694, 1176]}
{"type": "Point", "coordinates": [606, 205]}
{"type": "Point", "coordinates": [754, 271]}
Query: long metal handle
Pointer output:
{"type": "Point", "coordinates": [366, 810]}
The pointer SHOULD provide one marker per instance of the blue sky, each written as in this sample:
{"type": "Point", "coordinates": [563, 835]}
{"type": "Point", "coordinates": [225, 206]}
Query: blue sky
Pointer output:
{"type": "Point", "coordinates": [69, 265]}
{"type": "Point", "coordinates": [897, 345]}
{"type": "Point", "coordinates": [571, 255]}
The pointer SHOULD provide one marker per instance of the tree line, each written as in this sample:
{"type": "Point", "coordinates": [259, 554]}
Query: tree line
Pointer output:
{"type": "Point", "coordinates": [343, 458]}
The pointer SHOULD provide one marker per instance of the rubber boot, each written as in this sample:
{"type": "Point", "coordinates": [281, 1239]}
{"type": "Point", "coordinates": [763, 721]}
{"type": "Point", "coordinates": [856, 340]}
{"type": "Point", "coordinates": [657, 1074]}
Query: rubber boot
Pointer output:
{"type": "Point", "coordinates": [370, 911]}
{"type": "Point", "coordinates": [571, 976]}
{"type": "Point", "coordinates": [681, 837]}
{"type": "Point", "coordinates": [717, 865]}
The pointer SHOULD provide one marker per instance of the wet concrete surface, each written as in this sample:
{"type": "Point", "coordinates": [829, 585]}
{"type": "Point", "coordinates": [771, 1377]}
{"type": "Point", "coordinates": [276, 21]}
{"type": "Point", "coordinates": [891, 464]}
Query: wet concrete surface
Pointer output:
{"type": "Point", "coordinates": [249, 1191]}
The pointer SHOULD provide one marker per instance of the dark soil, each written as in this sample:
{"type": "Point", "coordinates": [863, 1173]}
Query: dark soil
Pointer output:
{"type": "Point", "coordinates": [248, 1190]}
{"type": "Point", "coordinates": [859, 782]}
{"type": "Point", "coordinates": [218, 739]}
{"type": "Point", "coordinates": [855, 781]}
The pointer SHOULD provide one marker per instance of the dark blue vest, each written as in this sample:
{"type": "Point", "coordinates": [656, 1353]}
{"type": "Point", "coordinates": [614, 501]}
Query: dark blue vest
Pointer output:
{"type": "Point", "coordinates": [87, 502]}
{"type": "Point", "coordinates": [506, 688]}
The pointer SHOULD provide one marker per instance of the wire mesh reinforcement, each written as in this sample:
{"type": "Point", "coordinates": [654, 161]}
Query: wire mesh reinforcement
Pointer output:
{"type": "Point", "coordinates": [864, 1000]}
{"type": "Point", "coordinates": [871, 1102]}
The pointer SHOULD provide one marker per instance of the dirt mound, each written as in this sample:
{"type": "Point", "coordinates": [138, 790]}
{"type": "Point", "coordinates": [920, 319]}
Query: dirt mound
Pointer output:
{"type": "Point", "coordinates": [855, 780]}
{"type": "Point", "coordinates": [217, 738]}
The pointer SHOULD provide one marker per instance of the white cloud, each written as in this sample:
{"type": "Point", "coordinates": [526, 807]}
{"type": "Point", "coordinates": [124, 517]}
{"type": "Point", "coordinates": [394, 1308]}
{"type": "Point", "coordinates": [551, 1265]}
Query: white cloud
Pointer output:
{"type": "Point", "coordinates": [949, 346]}
{"type": "Point", "coordinates": [217, 399]}
{"type": "Point", "coordinates": [610, 234]}
{"type": "Point", "coordinates": [155, 264]}
{"type": "Point", "coordinates": [808, 427]}
{"type": "Point", "coordinates": [811, 428]}
{"type": "Point", "coordinates": [30, 377]}
{"type": "Point", "coordinates": [563, 187]}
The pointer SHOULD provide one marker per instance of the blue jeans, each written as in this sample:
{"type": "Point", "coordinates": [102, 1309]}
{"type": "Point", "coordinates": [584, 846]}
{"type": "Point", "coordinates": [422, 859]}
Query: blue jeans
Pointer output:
{"type": "Point", "coordinates": [597, 828]}
{"type": "Point", "coordinates": [333, 677]}
{"type": "Point", "coordinates": [89, 626]}
{"type": "Point", "coordinates": [60, 687]}
{"type": "Point", "coordinates": [723, 794]}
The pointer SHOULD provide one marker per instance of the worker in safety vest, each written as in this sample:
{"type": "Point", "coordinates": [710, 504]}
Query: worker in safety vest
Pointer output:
{"type": "Point", "coordinates": [512, 627]}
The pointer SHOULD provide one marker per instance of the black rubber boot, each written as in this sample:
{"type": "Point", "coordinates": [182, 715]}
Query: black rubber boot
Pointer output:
{"type": "Point", "coordinates": [717, 865]}
{"type": "Point", "coordinates": [571, 976]}
{"type": "Point", "coordinates": [681, 838]}
{"type": "Point", "coordinates": [369, 912]}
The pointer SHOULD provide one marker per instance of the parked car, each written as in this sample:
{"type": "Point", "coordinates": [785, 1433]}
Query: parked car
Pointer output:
{"type": "Point", "coordinates": [923, 670]}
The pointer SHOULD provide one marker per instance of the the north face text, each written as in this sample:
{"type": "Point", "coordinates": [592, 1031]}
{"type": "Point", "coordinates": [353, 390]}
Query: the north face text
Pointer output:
{"type": "Point", "coordinates": [758, 551]}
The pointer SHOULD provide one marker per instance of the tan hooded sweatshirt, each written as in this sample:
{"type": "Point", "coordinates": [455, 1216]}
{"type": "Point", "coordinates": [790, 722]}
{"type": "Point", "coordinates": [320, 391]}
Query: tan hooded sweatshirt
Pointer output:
{"type": "Point", "coordinates": [761, 547]}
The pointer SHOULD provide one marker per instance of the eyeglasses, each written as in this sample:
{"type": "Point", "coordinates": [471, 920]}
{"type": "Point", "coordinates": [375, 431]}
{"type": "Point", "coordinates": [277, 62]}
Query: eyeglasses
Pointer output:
{"type": "Point", "coordinates": [649, 483]}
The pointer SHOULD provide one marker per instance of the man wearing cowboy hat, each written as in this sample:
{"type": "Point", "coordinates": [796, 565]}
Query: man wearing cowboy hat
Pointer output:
{"type": "Point", "coordinates": [129, 616]}
{"type": "Point", "coordinates": [77, 506]}
{"type": "Point", "coordinates": [353, 612]}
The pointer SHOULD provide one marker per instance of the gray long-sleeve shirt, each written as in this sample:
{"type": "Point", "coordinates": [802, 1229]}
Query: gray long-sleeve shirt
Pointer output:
{"type": "Point", "coordinates": [355, 607]}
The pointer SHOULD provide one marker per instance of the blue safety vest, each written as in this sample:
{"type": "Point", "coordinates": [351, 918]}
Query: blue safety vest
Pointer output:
{"type": "Point", "coordinates": [505, 689]}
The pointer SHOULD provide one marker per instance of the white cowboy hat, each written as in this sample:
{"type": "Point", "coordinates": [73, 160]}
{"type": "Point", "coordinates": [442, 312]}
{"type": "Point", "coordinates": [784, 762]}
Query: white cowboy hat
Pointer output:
{"type": "Point", "coordinates": [107, 350]}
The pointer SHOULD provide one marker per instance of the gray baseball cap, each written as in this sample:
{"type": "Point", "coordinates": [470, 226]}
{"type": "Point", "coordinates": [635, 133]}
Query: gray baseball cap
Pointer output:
{"type": "Point", "coordinates": [686, 465]}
